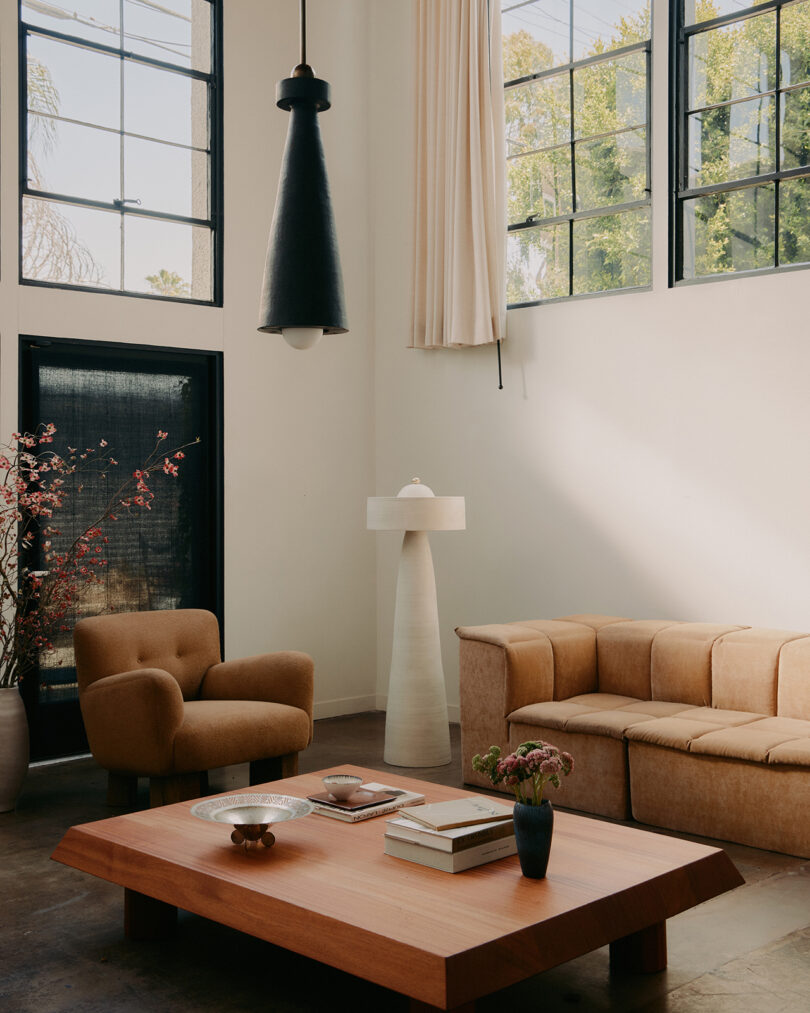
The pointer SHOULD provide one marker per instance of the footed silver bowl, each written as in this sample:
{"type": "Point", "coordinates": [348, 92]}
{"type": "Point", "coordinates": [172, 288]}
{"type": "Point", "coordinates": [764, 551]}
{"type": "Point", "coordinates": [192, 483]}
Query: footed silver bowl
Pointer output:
{"type": "Point", "coordinates": [251, 815]}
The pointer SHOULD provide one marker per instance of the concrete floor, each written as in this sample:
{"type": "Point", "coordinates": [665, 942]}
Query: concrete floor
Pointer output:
{"type": "Point", "coordinates": [62, 947]}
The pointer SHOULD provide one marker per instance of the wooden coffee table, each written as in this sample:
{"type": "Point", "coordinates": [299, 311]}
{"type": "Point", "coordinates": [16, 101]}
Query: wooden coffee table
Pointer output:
{"type": "Point", "coordinates": [327, 891]}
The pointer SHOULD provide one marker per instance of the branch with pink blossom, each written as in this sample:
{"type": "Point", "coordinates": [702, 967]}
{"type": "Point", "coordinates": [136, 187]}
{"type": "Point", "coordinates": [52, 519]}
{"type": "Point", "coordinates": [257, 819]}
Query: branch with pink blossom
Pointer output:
{"type": "Point", "coordinates": [35, 484]}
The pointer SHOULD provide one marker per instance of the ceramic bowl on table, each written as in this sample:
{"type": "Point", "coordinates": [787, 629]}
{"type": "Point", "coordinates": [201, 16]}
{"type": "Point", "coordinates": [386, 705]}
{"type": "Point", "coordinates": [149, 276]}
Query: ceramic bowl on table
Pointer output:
{"type": "Point", "coordinates": [341, 786]}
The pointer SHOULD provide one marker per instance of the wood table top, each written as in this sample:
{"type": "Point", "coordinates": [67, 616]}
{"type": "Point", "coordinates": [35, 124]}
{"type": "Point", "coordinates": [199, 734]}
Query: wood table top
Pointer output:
{"type": "Point", "coordinates": [327, 890]}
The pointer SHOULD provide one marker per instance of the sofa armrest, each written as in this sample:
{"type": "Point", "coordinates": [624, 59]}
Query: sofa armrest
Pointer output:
{"type": "Point", "coordinates": [131, 720]}
{"type": "Point", "coordinates": [281, 677]}
{"type": "Point", "coordinates": [504, 666]}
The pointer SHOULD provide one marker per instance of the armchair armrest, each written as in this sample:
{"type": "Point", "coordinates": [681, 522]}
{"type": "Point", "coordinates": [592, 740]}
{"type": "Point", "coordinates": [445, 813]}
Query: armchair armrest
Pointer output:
{"type": "Point", "coordinates": [131, 720]}
{"type": "Point", "coordinates": [281, 677]}
{"type": "Point", "coordinates": [504, 666]}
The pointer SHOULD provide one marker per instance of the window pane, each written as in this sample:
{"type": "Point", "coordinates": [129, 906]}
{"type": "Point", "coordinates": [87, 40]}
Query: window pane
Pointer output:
{"type": "Point", "coordinates": [696, 11]}
{"type": "Point", "coordinates": [537, 264]}
{"type": "Point", "coordinates": [536, 36]}
{"type": "Point", "coordinates": [96, 20]}
{"type": "Point", "coordinates": [602, 25]}
{"type": "Point", "coordinates": [72, 82]}
{"type": "Point", "coordinates": [164, 105]}
{"type": "Point", "coordinates": [612, 252]}
{"type": "Point", "coordinates": [610, 95]}
{"type": "Point", "coordinates": [165, 178]}
{"type": "Point", "coordinates": [733, 62]}
{"type": "Point", "coordinates": [731, 142]}
{"type": "Point", "coordinates": [611, 170]}
{"type": "Point", "coordinates": [179, 32]}
{"type": "Point", "coordinates": [70, 245]}
{"type": "Point", "coordinates": [537, 114]}
{"type": "Point", "coordinates": [166, 258]}
{"type": "Point", "coordinates": [795, 128]}
{"type": "Point", "coordinates": [75, 161]}
{"type": "Point", "coordinates": [539, 184]}
{"type": "Point", "coordinates": [729, 232]}
{"type": "Point", "coordinates": [794, 221]}
{"type": "Point", "coordinates": [795, 57]}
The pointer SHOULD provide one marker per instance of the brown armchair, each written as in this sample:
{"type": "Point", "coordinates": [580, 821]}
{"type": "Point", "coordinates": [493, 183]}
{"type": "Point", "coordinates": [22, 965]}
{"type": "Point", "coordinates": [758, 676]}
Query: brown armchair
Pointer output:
{"type": "Point", "coordinates": [158, 702]}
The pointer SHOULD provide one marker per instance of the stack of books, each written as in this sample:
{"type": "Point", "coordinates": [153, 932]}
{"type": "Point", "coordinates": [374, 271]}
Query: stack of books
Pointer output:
{"type": "Point", "coordinates": [369, 800]}
{"type": "Point", "coordinates": [452, 836]}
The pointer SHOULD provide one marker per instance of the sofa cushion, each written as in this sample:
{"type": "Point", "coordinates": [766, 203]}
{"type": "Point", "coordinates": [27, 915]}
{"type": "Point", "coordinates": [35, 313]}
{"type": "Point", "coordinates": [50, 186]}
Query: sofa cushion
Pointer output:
{"type": "Point", "coordinates": [545, 659]}
{"type": "Point", "coordinates": [215, 733]}
{"type": "Point", "coordinates": [680, 730]}
{"type": "Point", "coordinates": [754, 741]}
{"type": "Point", "coordinates": [793, 695]}
{"type": "Point", "coordinates": [595, 621]}
{"type": "Point", "coordinates": [593, 713]}
{"type": "Point", "coordinates": [680, 667]}
{"type": "Point", "coordinates": [623, 652]}
{"type": "Point", "coordinates": [795, 753]}
{"type": "Point", "coordinates": [744, 669]}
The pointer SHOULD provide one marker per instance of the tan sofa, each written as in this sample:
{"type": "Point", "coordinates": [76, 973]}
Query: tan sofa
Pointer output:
{"type": "Point", "coordinates": [696, 727]}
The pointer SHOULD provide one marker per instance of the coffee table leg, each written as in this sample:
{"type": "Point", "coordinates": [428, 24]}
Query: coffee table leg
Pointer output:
{"type": "Point", "coordinates": [641, 952]}
{"type": "Point", "coordinates": [147, 918]}
{"type": "Point", "coordinates": [423, 1007]}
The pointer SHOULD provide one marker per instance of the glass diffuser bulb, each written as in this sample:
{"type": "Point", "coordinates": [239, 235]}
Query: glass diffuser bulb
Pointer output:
{"type": "Point", "coordinates": [302, 337]}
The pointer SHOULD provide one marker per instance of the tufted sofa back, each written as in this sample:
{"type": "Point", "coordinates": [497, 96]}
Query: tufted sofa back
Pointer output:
{"type": "Point", "coordinates": [183, 642]}
{"type": "Point", "coordinates": [737, 668]}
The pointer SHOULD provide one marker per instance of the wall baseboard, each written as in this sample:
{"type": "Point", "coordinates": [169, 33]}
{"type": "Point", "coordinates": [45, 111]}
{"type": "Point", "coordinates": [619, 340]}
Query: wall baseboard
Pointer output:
{"type": "Point", "coordinates": [453, 710]}
{"type": "Point", "coordinates": [344, 705]}
{"type": "Point", "coordinates": [361, 704]}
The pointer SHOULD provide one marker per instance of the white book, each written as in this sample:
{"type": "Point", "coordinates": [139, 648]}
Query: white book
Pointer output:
{"type": "Point", "coordinates": [447, 861]}
{"type": "Point", "coordinates": [381, 809]}
{"type": "Point", "coordinates": [460, 812]}
{"type": "Point", "coordinates": [455, 839]}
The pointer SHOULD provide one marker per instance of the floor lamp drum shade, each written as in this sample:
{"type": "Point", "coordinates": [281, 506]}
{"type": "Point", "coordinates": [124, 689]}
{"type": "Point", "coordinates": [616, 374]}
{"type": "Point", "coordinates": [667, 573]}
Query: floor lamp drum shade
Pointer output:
{"type": "Point", "coordinates": [416, 726]}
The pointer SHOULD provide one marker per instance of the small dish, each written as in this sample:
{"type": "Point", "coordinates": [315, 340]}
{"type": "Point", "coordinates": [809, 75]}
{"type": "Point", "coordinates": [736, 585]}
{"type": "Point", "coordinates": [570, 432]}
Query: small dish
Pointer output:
{"type": "Point", "coordinates": [341, 786]}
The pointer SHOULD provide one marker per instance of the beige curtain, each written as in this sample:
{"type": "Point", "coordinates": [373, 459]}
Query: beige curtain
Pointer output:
{"type": "Point", "coordinates": [460, 251]}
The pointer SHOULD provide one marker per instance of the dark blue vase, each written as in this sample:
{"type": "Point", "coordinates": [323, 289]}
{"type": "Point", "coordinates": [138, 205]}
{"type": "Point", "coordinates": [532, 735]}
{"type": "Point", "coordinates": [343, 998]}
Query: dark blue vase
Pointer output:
{"type": "Point", "coordinates": [533, 827]}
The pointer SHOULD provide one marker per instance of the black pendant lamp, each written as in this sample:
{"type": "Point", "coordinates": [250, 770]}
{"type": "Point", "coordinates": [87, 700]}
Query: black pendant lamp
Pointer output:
{"type": "Point", "coordinates": [302, 291]}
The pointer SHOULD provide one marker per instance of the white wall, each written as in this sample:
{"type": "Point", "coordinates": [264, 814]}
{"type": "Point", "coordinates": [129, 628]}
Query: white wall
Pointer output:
{"type": "Point", "coordinates": [648, 455]}
{"type": "Point", "coordinates": [298, 426]}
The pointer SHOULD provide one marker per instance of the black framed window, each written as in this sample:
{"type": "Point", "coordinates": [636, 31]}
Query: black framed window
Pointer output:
{"type": "Point", "coordinates": [577, 102]}
{"type": "Point", "coordinates": [741, 138]}
{"type": "Point", "coordinates": [121, 147]}
{"type": "Point", "coordinates": [165, 558]}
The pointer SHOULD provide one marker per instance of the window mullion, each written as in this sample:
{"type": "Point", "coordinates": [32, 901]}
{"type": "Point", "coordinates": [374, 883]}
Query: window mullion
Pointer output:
{"type": "Point", "coordinates": [777, 155]}
{"type": "Point", "coordinates": [572, 129]}
{"type": "Point", "coordinates": [121, 113]}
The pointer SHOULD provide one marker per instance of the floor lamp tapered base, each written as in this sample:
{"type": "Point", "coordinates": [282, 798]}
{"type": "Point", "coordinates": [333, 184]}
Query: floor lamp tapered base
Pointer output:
{"type": "Point", "coordinates": [417, 732]}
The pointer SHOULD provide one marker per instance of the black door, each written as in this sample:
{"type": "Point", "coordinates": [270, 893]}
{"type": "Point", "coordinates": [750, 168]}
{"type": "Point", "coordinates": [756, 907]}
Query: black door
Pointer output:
{"type": "Point", "coordinates": [167, 557]}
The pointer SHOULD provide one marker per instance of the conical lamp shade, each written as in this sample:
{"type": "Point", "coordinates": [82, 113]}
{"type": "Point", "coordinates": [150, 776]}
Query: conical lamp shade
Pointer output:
{"type": "Point", "coordinates": [303, 285]}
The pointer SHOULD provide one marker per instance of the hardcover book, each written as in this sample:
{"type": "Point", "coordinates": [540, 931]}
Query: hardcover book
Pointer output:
{"type": "Point", "coordinates": [447, 861]}
{"type": "Point", "coordinates": [456, 839]}
{"type": "Point", "coordinates": [398, 799]}
{"type": "Point", "coordinates": [461, 812]}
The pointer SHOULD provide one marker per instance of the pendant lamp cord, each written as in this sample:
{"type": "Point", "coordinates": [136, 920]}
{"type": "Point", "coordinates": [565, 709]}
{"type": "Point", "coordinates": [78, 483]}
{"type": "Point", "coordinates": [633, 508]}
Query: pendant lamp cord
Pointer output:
{"type": "Point", "coordinates": [303, 32]}
{"type": "Point", "coordinates": [500, 374]}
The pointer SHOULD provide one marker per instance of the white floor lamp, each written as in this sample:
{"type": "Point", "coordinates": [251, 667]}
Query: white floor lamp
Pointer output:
{"type": "Point", "coordinates": [416, 727]}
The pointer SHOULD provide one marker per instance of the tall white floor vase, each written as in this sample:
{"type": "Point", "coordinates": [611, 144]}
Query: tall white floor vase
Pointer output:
{"type": "Point", "coordinates": [416, 727]}
{"type": "Point", "coordinates": [13, 747]}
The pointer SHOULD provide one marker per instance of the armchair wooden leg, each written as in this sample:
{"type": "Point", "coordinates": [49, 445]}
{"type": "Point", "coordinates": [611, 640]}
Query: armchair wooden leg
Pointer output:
{"type": "Point", "coordinates": [274, 768]}
{"type": "Point", "coordinates": [177, 788]}
{"type": "Point", "coordinates": [122, 790]}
